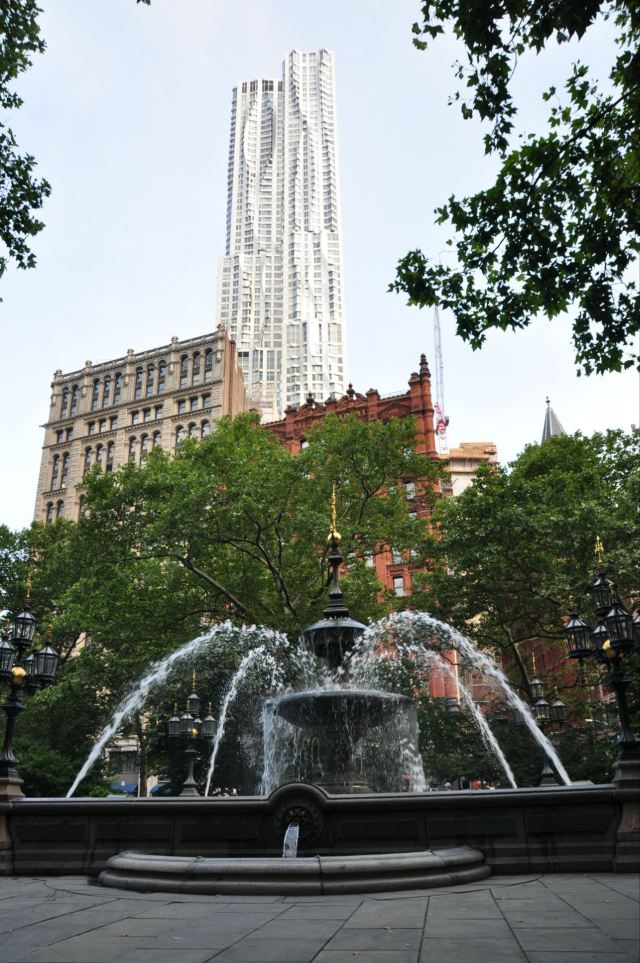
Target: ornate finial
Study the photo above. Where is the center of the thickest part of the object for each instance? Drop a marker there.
(175, 708)
(193, 680)
(29, 586)
(310, 399)
(533, 662)
(424, 365)
(599, 550)
(334, 536)
(351, 392)
(572, 604)
(49, 633)
(547, 401)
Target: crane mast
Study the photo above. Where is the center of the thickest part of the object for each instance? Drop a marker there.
(440, 417)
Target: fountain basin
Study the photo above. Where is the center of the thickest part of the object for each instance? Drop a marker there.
(320, 875)
(348, 709)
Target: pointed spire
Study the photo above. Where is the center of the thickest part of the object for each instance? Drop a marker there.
(552, 426)
(424, 367)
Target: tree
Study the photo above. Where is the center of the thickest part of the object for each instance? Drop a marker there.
(558, 229)
(517, 544)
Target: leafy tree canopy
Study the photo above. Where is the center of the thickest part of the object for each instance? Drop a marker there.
(560, 227)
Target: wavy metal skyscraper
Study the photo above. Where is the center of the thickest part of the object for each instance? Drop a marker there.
(280, 281)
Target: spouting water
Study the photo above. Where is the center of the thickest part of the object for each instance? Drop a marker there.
(290, 842)
(159, 673)
(449, 637)
(230, 695)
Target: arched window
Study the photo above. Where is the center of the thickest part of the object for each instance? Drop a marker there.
(99, 455)
(65, 403)
(133, 447)
(87, 460)
(137, 391)
(65, 469)
(95, 394)
(55, 471)
(193, 430)
(111, 447)
(49, 515)
(59, 509)
(151, 377)
(179, 434)
(205, 428)
(117, 392)
(106, 391)
(74, 400)
(195, 369)
(184, 371)
(156, 439)
(208, 364)
(144, 448)
(162, 376)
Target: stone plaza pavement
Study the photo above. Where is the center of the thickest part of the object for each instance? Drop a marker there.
(510, 919)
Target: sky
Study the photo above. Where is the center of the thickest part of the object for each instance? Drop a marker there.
(128, 113)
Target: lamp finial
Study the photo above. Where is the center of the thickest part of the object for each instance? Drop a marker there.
(599, 550)
(334, 535)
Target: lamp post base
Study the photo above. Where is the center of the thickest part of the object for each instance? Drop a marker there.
(626, 774)
(11, 786)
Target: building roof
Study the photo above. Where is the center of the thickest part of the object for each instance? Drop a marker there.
(552, 426)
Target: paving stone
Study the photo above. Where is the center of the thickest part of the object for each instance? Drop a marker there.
(219, 932)
(269, 951)
(371, 956)
(369, 938)
(565, 940)
(545, 918)
(407, 913)
(582, 957)
(631, 947)
(315, 929)
(471, 951)
(470, 906)
(81, 949)
(317, 911)
(628, 929)
(468, 929)
(161, 955)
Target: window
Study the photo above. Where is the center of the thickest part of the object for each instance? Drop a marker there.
(106, 391)
(410, 489)
(193, 404)
(91, 427)
(184, 371)
(65, 403)
(65, 469)
(205, 429)
(69, 434)
(195, 369)
(179, 434)
(75, 391)
(102, 424)
(412, 514)
(398, 585)
(208, 364)
(182, 407)
(95, 394)
(304, 443)
(135, 417)
(137, 390)
(133, 447)
(99, 454)
(113, 422)
(151, 376)
(156, 438)
(59, 437)
(87, 460)
(117, 391)
(49, 515)
(59, 510)
(193, 430)
(111, 447)
(144, 448)
(162, 375)
(146, 414)
(396, 556)
(157, 411)
(206, 401)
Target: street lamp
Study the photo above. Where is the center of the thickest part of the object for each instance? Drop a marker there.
(189, 727)
(615, 636)
(21, 673)
(546, 716)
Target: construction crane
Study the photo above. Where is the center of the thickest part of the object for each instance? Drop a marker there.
(440, 417)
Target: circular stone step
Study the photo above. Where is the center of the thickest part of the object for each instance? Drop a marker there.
(317, 875)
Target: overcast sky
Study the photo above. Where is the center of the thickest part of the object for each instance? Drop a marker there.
(128, 116)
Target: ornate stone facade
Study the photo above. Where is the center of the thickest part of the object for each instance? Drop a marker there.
(111, 413)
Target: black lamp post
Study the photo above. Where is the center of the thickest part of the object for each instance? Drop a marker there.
(614, 637)
(189, 727)
(547, 716)
(21, 673)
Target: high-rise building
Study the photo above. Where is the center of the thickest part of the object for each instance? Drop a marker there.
(280, 291)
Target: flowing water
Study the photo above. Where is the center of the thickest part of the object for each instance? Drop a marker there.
(290, 841)
(250, 658)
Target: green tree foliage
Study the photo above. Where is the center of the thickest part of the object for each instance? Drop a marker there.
(560, 226)
(230, 528)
